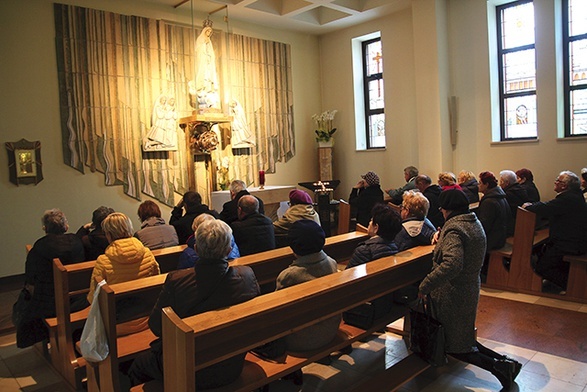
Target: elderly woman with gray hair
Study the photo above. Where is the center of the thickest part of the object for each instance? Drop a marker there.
(210, 285)
(454, 284)
(416, 228)
(56, 243)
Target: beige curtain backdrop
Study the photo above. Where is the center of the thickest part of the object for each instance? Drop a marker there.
(113, 67)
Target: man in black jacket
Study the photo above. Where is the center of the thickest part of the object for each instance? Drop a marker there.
(567, 217)
(253, 232)
(432, 192)
(192, 203)
(515, 194)
(229, 211)
(210, 285)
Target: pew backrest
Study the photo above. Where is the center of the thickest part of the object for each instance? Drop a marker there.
(199, 341)
(268, 264)
(344, 217)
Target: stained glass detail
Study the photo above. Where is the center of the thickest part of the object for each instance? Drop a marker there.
(577, 17)
(376, 94)
(377, 131)
(579, 112)
(374, 59)
(520, 117)
(578, 60)
(519, 71)
(517, 26)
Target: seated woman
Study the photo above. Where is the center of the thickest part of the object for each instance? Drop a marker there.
(39, 276)
(416, 228)
(493, 212)
(154, 232)
(92, 235)
(306, 239)
(364, 196)
(301, 207)
(448, 180)
(189, 256)
(126, 258)
(382, 230)
(469, 185)
(526, 179)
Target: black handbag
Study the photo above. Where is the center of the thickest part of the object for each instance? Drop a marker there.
(427, 334)
(21, 308)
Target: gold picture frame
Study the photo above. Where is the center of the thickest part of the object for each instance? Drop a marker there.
(24, 162)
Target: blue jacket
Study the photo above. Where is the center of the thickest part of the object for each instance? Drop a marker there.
(414, 232)
(372, 249)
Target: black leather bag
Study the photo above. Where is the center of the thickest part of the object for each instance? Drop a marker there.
(271, 350)
(21, 308)
(427, 334)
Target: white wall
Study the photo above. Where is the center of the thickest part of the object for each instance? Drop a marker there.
(30, 109)
(433, 50)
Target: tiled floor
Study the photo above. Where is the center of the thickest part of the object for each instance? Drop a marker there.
(549, 337)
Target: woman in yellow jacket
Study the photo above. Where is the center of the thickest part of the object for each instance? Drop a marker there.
(126, 258)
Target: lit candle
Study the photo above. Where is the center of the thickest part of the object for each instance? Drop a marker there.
(261, 178)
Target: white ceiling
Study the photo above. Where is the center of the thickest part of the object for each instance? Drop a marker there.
(310, 16)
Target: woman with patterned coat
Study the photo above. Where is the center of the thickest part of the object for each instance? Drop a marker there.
(454, 285)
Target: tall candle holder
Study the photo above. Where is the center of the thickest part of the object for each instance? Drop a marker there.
(261, 179)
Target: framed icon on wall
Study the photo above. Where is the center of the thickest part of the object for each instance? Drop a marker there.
(24, 162)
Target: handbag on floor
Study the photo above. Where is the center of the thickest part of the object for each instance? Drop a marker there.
(427, 334)
(20, 309)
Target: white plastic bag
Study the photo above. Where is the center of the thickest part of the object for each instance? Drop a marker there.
(94, 346)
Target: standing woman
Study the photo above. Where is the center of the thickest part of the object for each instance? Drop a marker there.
(454, 287)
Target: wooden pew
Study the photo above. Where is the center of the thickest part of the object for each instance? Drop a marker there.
(344, 217)
(103, 376)
(168, 258)
(69, 281)
(266, 266)
(72, 280)
(518, 249)
(199, 341)
(576, 285)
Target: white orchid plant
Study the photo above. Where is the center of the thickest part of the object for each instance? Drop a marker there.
(324, 123)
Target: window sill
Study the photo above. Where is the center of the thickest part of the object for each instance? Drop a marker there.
(505, 142)
(371, 149)
(571, 138)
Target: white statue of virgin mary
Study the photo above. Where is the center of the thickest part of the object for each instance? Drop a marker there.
(204, 88)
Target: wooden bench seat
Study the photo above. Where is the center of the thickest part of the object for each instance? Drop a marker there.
(73, 280)
(266, 266)
(103, 376)
(518, 250)
(577, 283)
(199, 341)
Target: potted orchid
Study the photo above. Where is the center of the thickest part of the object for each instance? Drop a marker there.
(325, 128)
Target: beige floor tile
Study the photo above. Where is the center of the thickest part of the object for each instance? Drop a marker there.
(520, 354)
(554, 367)
(556, 303)
(9, 385)
(528, 381)
(491, 292)
(530, 299)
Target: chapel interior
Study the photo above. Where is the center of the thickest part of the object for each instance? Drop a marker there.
(433, 50)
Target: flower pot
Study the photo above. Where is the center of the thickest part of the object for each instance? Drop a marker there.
(329, 143)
